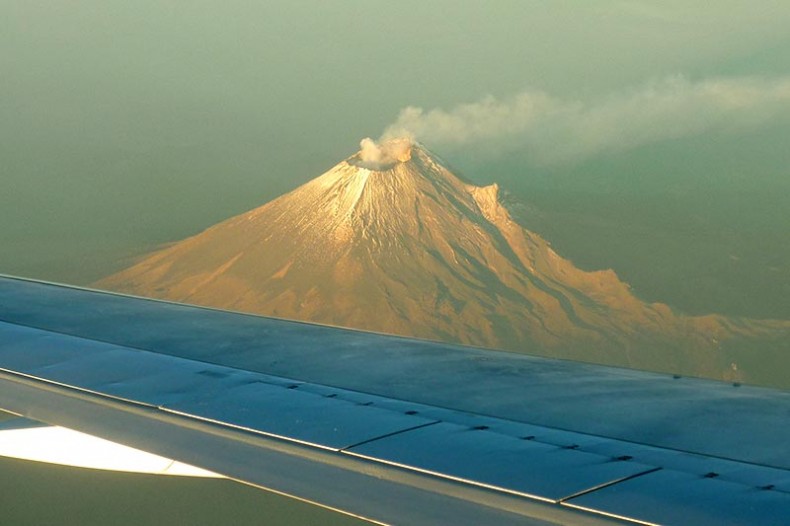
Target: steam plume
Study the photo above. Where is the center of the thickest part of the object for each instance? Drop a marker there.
(385, 152)
(553, 129)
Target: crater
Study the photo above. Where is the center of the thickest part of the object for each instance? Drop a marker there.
(382, 155)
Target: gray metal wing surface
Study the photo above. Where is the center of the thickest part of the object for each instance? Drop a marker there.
(394, 430)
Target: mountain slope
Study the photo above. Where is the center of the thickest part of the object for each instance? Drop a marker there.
(390, 240)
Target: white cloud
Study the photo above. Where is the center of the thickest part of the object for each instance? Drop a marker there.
(555, 130)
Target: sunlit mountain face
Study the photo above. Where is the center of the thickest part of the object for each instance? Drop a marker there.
(390, 240)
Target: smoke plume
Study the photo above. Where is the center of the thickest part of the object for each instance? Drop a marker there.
(556, 130)
(387, 151)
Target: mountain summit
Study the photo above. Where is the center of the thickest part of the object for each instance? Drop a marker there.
(390, 240)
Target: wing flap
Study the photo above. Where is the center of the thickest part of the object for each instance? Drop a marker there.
(687, 499)
(511, 463)
(362, 488)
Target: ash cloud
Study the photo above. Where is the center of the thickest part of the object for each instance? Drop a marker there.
(556, 130)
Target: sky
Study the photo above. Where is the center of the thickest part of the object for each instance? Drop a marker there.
(646, 136)
(125, 125)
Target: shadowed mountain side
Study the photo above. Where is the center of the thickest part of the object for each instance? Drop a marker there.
(391, 241)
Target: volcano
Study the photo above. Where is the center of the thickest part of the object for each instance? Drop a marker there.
(389, 240)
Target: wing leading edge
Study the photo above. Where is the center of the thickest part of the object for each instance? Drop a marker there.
(370, 431)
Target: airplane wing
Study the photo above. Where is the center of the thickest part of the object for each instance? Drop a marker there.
(394, 430)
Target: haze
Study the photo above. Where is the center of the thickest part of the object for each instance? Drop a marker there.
(125, 125)
(647, 137)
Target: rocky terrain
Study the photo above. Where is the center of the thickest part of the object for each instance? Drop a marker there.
(390, 240)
